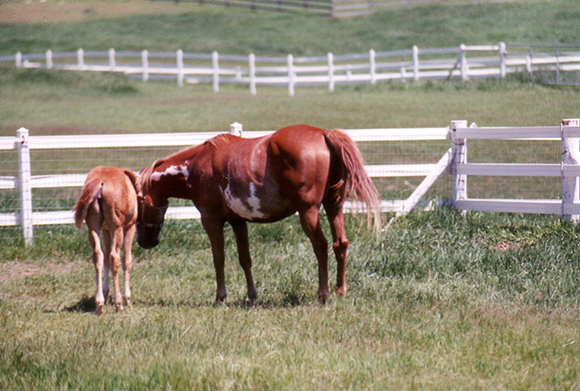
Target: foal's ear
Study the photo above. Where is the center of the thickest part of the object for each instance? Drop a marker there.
(133, 178)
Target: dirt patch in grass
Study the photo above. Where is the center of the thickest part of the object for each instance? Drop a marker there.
(60, 11)
(11, 270)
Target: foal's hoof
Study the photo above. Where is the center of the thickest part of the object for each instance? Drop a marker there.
(99, 309)
(128, 303)
(118, 307)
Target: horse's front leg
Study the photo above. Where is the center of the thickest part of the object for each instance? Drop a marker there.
(241, 233)
(215, 231)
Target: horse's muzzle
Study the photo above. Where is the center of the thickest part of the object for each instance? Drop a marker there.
(147, 244)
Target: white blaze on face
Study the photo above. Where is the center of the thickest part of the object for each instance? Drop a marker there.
(171, 170)
(248, 208)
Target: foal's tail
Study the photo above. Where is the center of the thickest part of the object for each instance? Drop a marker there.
(359, 186)
(91, 191)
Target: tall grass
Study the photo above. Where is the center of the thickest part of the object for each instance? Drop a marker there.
(439, 301)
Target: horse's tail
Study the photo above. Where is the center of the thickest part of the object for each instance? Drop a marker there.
(359, 186)
(91, 191)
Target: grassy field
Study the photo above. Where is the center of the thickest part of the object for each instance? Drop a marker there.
(439, 301)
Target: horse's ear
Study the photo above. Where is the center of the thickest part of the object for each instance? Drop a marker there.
(133, 178)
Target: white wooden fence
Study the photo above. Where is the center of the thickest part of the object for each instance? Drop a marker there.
(453, 162)
(463, 62)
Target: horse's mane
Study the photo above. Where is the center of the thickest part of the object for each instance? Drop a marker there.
(219, 140)
(184, 154)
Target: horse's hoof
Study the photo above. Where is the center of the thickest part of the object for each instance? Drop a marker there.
(99, 310)
(323, 297)
(341, 291)
(118, 307)
(128, 303)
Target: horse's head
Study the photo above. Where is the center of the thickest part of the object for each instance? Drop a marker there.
(149, 222)
(150, 217)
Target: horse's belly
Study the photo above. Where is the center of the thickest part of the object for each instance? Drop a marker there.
(257, 204)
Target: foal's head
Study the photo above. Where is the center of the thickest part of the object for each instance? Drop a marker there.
(151, 217)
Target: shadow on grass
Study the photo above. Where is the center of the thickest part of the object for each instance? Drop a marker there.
(85, 304)
(289, 300)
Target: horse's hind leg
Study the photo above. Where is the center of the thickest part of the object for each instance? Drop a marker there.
(127, 263)
(311, 225)
(241, 233)
(115, 263)
(339, 243)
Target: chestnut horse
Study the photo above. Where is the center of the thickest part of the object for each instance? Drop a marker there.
(108, 202)
(236, 180)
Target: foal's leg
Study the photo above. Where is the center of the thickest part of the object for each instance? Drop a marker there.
(215, 231)
(98, 260)
(115, 263)
(339, 244)
(107, 243)
(241, 233)
(127, 263)
(311, 226)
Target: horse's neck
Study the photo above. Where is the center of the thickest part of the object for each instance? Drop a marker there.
(171, 179)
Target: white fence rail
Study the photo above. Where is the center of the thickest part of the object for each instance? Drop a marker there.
(569, 169)
(23, 143)
(413, 64)
(453, 162)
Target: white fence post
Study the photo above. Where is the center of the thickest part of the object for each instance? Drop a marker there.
(179, 59)
(330, 72)
(403, 74)
(463, 63)
(112, 60)
(459, 151)
(49, 59)
(236, 129)
(81, 59)
(570, 156)
(502, 59)
(372, 66)
(145, 61)
(415, 63)
(252, 61)
(216, 71)
(18, 60)
(24, 184)
(291, 81)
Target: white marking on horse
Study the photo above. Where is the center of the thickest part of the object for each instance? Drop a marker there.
(171, 170)
(248, 208)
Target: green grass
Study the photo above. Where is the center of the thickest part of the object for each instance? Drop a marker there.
(72, 103)
(235, 31)
(439, 301)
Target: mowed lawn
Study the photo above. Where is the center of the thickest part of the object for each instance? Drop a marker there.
(437, 301)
